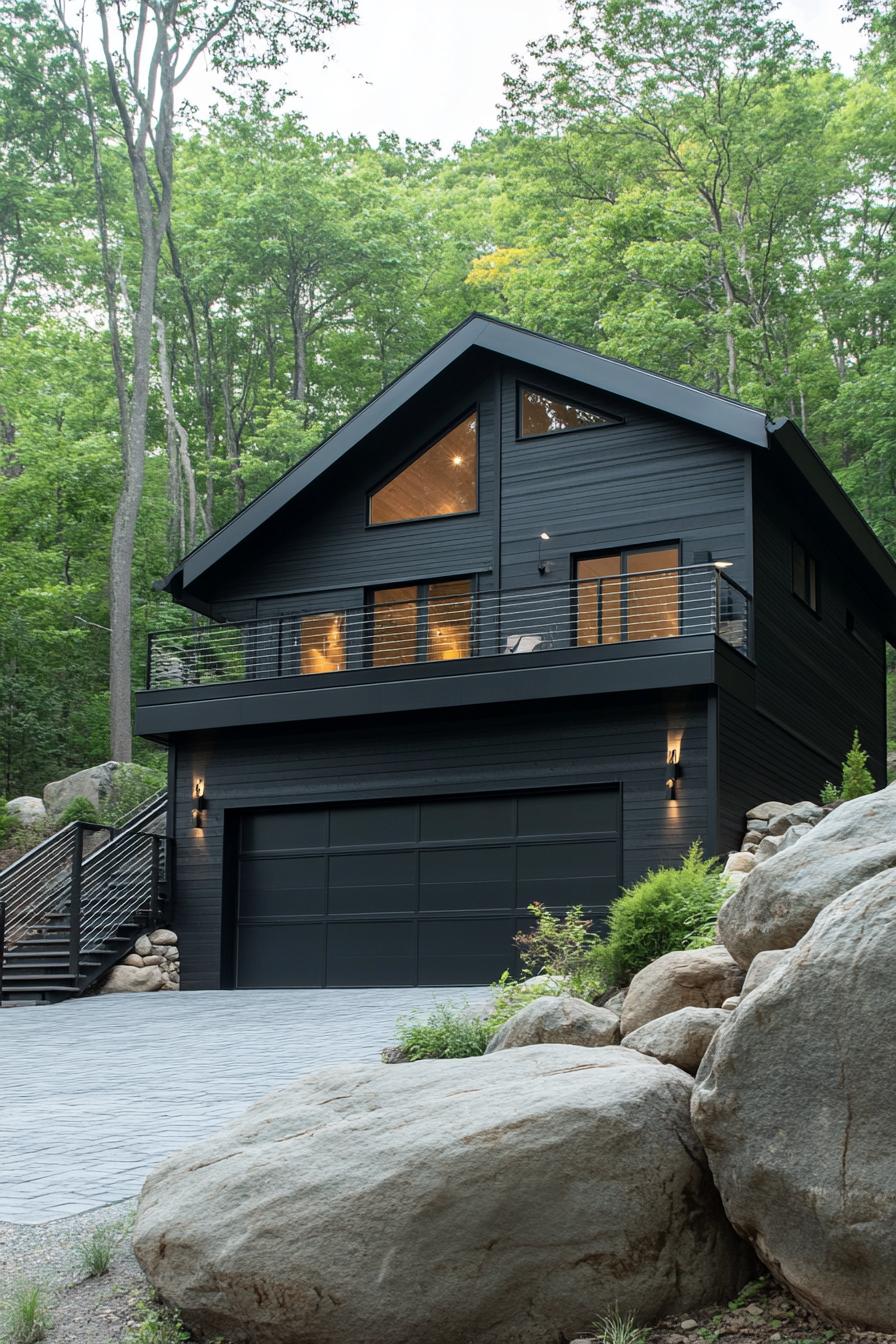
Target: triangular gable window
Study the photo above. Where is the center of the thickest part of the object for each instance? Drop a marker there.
(543, 413)
(441, 481)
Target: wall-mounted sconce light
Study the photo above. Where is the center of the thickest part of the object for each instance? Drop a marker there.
(673, 773)
(544, 566)
(723, 564)
(200, 804)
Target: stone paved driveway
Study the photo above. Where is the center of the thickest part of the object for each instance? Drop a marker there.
(94, 1092)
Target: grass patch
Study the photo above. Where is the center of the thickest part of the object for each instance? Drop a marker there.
(615, 1328)
(156, 1325)
(96, 1251)
(26, 1316)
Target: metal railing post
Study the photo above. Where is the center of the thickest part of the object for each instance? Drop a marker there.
(718, 587)
(2, 944)
(154, 880)
(74, 933)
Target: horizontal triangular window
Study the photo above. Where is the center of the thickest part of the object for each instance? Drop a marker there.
(440, 481)
(545, 413)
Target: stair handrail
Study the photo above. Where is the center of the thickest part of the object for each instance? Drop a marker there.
(36, 882)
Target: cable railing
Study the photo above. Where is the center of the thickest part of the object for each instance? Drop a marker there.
(39, 885)
(592, 612)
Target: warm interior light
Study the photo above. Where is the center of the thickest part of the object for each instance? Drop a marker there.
(457, 460)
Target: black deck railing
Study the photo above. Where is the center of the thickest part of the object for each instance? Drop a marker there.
(596, 612)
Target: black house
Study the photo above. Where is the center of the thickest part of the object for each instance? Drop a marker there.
(525, 626)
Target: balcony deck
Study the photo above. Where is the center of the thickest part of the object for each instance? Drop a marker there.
(616, 633)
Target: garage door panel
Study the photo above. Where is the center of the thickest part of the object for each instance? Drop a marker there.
(568, 813)
(374, 824)
(464, 951)
(473, 818)
(471, 878)
(373, 883)
(415, 891)
(304, 828)
(283, 887)
(372, 952)
(280, 956)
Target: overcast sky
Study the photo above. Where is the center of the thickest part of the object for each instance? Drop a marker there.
(431, 69)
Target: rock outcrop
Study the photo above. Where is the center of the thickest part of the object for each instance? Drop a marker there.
(557, 1020)
(794, 1103)
(701, 978)
(514, 1197)
(680, 1038)
(27, 810)
(779, 900)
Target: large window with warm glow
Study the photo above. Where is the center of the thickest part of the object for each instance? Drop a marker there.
(441, 481)
(421, 622)
(322, 637)
(543, 413)
(628, 595)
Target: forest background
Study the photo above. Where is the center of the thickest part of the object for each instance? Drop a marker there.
(187, 306)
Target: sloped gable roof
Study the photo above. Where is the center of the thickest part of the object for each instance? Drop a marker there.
(742, 423)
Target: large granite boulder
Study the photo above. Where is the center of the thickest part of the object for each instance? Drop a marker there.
(761, 968)
(780, 899)
(680, 1038)
(558, 1019)
(27, 810)
(794, 1103)
(507, 1198)
(700, 978)
(103, 785)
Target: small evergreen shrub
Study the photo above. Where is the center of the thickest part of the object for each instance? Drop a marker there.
(669, 910)
(79, 809)
(857, 780)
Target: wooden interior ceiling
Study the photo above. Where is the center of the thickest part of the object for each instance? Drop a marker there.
(439, 482)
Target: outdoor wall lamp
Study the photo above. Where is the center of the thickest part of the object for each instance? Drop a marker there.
(723, 564)
(544, 566)
(673, 773)
(200, 804)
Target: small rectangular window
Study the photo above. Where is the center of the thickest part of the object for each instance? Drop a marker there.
(805, 576)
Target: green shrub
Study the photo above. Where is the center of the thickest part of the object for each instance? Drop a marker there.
(564, 948)
(156, 1325)
(25, 1317)
(9, 825)
(619, 1329)
(131, 786)
(857, 778)
(668, 910)
(448, 1032)
(79, 809)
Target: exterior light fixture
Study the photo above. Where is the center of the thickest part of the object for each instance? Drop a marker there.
(200, 804)
(722, 564)
(544, 566)
(673, 773)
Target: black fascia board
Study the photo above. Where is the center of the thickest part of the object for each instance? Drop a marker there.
(743, 423)
(796, 447)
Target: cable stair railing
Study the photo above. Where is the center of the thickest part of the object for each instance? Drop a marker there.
(75, 904)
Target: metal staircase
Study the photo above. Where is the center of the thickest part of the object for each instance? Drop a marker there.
(74, 905)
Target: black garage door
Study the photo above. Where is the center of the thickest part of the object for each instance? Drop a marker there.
(414, 891)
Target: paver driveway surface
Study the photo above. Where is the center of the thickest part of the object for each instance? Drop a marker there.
(94, 1092)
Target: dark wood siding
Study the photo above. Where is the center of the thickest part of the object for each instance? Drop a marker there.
(322, 542)
(650, 479)
(623, 739)
(814, 677)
